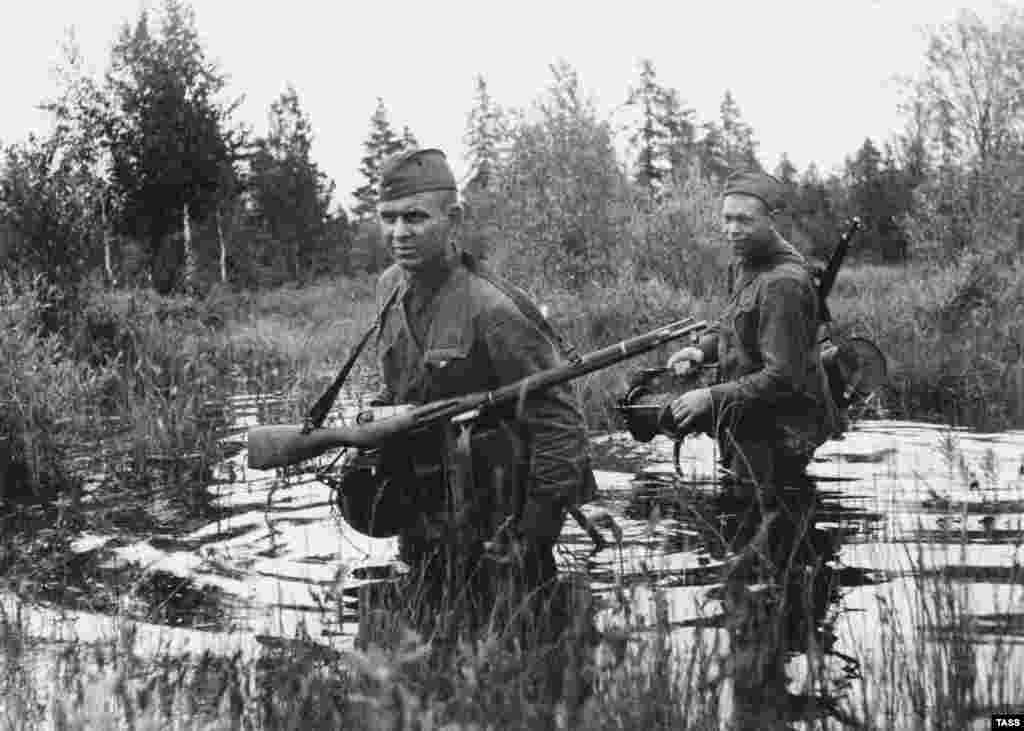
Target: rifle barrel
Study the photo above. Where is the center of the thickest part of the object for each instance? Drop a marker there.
(597, 360)
(828, 279)
(283, 445)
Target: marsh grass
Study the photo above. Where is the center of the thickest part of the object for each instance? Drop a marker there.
(394, 684)
(949, 333)
(153, 371)
(935, 666)
(952, 333)
(924, 666)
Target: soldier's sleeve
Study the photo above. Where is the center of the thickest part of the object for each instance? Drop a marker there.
(785, 309)
(553, 419)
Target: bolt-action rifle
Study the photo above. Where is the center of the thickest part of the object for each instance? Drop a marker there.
(828, 277)
(365, 502)
(281, 445)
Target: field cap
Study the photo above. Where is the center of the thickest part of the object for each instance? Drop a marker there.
(767, 188)
(415, 171)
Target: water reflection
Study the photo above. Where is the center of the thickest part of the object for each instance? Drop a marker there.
(899, 512)
(777, 597)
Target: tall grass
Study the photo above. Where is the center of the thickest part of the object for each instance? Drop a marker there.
(920, 667)
(952, 334)
(48, 397)
(291, 341)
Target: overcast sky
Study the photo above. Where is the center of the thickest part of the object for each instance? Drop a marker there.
(813, 77)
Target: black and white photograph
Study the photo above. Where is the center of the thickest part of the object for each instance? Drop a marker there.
(467, 366)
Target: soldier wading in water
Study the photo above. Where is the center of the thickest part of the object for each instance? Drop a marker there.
(482, 507)
(771, 407)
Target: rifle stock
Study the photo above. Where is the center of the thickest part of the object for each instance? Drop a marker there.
(281, 445)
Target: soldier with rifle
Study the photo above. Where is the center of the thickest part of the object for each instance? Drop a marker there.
(772, 405)
(451, 328)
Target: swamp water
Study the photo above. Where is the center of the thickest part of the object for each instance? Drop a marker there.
(907, 578)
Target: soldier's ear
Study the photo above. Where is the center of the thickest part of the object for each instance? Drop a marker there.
(456, 213)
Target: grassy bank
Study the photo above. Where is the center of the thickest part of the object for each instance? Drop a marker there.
(952, 333)
(949, 332)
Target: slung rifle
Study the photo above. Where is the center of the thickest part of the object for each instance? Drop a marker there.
(282, 445)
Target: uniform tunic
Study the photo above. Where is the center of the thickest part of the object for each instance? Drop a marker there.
(771, 399)
(451, 333)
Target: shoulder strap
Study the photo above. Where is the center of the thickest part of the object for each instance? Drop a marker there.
(523, 304)
(316, 416)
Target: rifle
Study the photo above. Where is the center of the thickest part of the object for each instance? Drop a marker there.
(281, 445)
(828, 277)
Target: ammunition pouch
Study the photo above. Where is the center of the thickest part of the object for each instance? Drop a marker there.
(370, 499)
(429, 476)
(466, 476)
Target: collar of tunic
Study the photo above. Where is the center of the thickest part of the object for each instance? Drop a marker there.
(419, 292)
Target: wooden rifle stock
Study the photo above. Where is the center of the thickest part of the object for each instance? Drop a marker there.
(282, 445)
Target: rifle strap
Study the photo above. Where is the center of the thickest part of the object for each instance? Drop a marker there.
(316, 416)
(523, 304)
(588, 486)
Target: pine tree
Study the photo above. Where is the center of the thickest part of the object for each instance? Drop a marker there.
(170, 138)
(485, 133)
(785, 170)
(409, 141)
(738, 145)
(379, 146)
(648, 138)
(291, 193)
(815, 212)
(711, 156)
(665, 138)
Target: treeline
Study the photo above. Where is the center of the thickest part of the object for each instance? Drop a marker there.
(147, 180)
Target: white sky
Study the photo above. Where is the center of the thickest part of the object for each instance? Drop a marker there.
(813, 77)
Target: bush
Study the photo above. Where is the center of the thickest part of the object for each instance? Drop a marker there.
(950, 338)
(46, 396)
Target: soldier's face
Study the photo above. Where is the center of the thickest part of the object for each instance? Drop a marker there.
(416, 229)
(746, 223)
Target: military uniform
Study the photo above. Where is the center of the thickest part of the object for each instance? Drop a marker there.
(460, 334)
(771, 407)
(507, 481)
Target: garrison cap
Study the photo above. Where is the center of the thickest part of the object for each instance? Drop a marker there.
(415, 171)
(767, 188)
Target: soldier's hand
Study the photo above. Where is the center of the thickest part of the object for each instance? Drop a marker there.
(691, 406)
(685, 360)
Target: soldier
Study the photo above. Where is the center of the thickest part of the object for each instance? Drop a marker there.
(771, 407)
(506, 480)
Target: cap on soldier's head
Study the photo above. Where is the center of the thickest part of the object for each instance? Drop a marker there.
(767, 188)
(415, 171)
